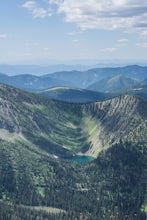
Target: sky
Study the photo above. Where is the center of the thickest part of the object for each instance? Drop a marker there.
(50, 31)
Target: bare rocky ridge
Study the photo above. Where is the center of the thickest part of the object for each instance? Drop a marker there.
(117, 119)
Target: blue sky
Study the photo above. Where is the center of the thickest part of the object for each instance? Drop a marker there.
(45, 31)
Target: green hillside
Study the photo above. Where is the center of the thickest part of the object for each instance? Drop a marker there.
(37, 139)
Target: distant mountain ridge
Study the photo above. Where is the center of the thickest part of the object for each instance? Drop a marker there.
(76, 79)
(111, 83)
(39, 69)
(31, 82)
(86, 78)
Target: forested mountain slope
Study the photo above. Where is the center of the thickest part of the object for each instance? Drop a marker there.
(63, 128)
(111, 187)
(34, 131)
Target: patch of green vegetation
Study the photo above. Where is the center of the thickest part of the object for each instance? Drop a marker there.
(40, 191)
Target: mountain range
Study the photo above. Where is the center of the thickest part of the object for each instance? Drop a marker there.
(69, 153)
(75, 79)
(38, 138)
(39, 69)
(86, 78)
(32, 82)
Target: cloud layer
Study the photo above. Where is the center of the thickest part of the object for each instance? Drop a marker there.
(96, 14)
(104, 14)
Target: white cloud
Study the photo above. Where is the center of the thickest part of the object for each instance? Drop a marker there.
(123, 40)
(109, 49)
(55, 1)
(36, 10)
(104, 14)
(3, 36)
(128, 15)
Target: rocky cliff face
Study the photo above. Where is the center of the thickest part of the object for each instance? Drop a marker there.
(121, 118)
